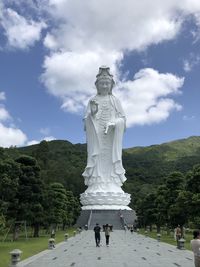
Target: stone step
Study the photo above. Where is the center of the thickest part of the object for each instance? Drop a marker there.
(102, 217)
(117, 218)
(83, 218)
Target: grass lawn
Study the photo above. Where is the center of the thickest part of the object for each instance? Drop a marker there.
(29, 247)
(169, 238)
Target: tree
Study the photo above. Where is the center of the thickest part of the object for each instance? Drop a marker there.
(193, 194)
(146, 210)
(9, 183)
(30, 193)
(166, 200)
(73, 208)
(42, 152)
(57, 204)
(2, 223)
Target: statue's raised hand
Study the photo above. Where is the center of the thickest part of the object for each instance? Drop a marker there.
(110, 125)
(94, 107)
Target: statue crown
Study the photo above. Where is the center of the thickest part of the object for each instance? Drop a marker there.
(104, 72)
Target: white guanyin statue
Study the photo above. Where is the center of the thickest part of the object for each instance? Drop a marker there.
(105, 123)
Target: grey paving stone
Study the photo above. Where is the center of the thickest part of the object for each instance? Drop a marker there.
(125, 250)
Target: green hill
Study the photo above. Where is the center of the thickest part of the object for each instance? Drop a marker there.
(172, 150)
(60, 161)
(153, 162)
(146, 167)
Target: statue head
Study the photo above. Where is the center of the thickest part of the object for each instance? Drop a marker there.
(104, 82)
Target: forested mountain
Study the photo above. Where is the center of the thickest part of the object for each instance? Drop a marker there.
(60, 161)
(42, 183)
(146, 167)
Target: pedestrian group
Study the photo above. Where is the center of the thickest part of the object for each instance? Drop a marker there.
(97, 229)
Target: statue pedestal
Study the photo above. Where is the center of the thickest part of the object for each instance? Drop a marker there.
(105, 201)
(105, 207)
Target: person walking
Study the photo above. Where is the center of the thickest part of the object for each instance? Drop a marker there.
(107, 234)
(178, 235)
(125, 228)
(131, 228)
(97, 230)
(195, 245)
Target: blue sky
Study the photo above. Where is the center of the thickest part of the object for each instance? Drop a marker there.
(50, 52)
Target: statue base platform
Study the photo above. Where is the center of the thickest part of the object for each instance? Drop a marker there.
(105, 201)
(105, 207)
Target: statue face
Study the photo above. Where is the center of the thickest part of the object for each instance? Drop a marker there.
(104, 86)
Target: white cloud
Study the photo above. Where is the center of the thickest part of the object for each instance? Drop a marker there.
(147, 98)
(82, 37)
(34, 142)
(97, 33)
(113, 24)
(187, 66)
(20, 32)
(11, 136)
(4, 114)
(49, 138)
(196, 32)
(191, 62)
(75, 83)
(188, 118)
(2, 96)
(50, 42)
(45, 131)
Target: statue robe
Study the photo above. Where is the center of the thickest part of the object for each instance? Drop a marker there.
(94, 173)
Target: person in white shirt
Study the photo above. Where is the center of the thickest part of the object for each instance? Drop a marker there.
(107, 234)
(195, 245)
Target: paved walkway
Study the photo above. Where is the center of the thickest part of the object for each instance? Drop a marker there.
(125, 250)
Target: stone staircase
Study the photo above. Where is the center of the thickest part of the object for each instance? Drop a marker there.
(117, 218)
(83, 218)
(103, 217)
(129, 216)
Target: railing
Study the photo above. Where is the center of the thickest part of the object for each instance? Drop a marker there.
(122, 219)
(89, 219)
